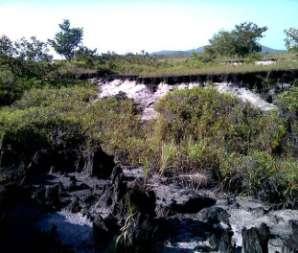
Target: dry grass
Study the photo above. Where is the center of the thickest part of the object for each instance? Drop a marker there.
(193, 66)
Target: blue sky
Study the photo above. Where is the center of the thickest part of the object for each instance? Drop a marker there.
(131, 26)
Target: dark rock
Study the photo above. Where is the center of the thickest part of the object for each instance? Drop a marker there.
(271, 191)
(52, 195)
(75, 206)
(213, 215)
(172, 199)
(292, 242)
(119, 189)
(138, 234)
(142, 201)
(40, 163)
(68, 150)
(75, 186)
(117, 173)
(255, 240)
(106, 199)
(220, 240)
(104, 229)
(139, 227)
(121, 96)
(225, 242)
(221, 234)
(98, 163)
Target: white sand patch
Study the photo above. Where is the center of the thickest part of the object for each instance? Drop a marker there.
(265, 63)
(245, 95)
(147, 98)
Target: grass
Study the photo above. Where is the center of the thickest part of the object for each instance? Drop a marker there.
(160, 67)
(198, 131)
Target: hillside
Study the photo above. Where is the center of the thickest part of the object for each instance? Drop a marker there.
(188, 53)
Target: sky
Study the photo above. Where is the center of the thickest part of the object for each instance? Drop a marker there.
(131, 26)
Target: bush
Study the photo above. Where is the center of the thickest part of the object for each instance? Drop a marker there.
(219, 119)
(288, 102)
(263, 176)
(65, 122)
(10, 88)
(198, 131)
(201, 130)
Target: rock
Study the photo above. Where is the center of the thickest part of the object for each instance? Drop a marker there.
(213, 215)
(192, 204)
(117, 173)
(104, 229)
(138, 235)
(292, 241)
(225, 242)
(74, 206)
(40, 163)
(173, 199)
(98, 163)
(52, 195)
(139, 228)
(255, 240)
(221, 234)
(271, 191)
(141, 200)
(68, 150)
(132, 174)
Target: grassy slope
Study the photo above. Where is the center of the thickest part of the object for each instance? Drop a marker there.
(193, 66)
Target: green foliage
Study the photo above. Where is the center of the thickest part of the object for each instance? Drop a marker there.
(70, 114)
(18, 75)
(201, 130)
(292, 39)
(223, 44)
(6, 46)
(258, 166)
(67, 40)
(205, 114)
(169, 156)
(10, 89)
(42, 107)
(241, 41)
(288, 100)
(32, 50)
(206, 132)
(247, 35)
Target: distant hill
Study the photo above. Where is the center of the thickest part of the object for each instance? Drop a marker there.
(173, 53)
(187, 53)
(267, 50)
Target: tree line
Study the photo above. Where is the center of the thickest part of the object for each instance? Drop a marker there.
(241, 42)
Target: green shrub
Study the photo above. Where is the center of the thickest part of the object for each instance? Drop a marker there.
(258, 167)
(288, 102)
(198, 130)
(10, 88)
(169, 157)
(206, 114)
(111, 122)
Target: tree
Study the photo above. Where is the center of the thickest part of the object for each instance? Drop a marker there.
(241, 41)
(86, 55)
(67, 40)
(292, 39)
(33, 50)
(6, 46)
(247, 36)
(85, 52)
(223, 44)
